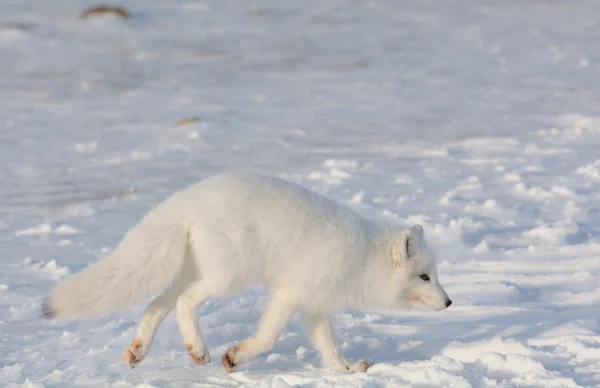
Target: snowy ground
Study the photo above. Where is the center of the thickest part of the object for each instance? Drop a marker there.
(482, 122)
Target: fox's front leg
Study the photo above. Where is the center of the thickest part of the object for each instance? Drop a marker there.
(276, 315)
(322, 337)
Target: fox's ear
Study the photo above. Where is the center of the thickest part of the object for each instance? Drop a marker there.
(417, 230)
(403, 247)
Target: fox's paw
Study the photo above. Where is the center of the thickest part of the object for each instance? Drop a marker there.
(134, 353)
(230, 359)
(360, 366)
(199, 355)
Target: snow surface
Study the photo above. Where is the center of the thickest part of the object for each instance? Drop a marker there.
(480, 120)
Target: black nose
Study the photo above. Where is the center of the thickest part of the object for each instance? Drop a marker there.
(448, 303)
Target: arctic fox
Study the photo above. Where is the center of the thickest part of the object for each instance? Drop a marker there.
(231, 231)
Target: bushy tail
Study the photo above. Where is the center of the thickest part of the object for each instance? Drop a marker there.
(149, 257)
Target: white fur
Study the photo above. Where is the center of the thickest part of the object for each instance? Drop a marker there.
(231, 231)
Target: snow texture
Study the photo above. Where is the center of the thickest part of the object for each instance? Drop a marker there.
(479, 120)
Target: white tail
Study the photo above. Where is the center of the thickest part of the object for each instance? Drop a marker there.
(149, 257)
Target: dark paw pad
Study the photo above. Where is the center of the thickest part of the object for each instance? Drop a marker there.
(228, 361)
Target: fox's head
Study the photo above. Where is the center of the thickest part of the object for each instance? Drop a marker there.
(414, 280)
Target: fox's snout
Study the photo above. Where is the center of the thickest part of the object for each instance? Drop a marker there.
(439, 298)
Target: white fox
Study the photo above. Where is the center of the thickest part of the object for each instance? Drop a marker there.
(231, 231)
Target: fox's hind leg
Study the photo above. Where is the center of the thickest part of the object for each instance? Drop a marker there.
(323, 339)
(277, 313)
(154, 315)
(188, 304)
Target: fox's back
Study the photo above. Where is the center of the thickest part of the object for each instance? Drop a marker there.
(262, 200)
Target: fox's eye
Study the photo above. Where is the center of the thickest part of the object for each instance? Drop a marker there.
(425, 277)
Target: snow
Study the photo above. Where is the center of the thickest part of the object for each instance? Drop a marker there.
(480, 121)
